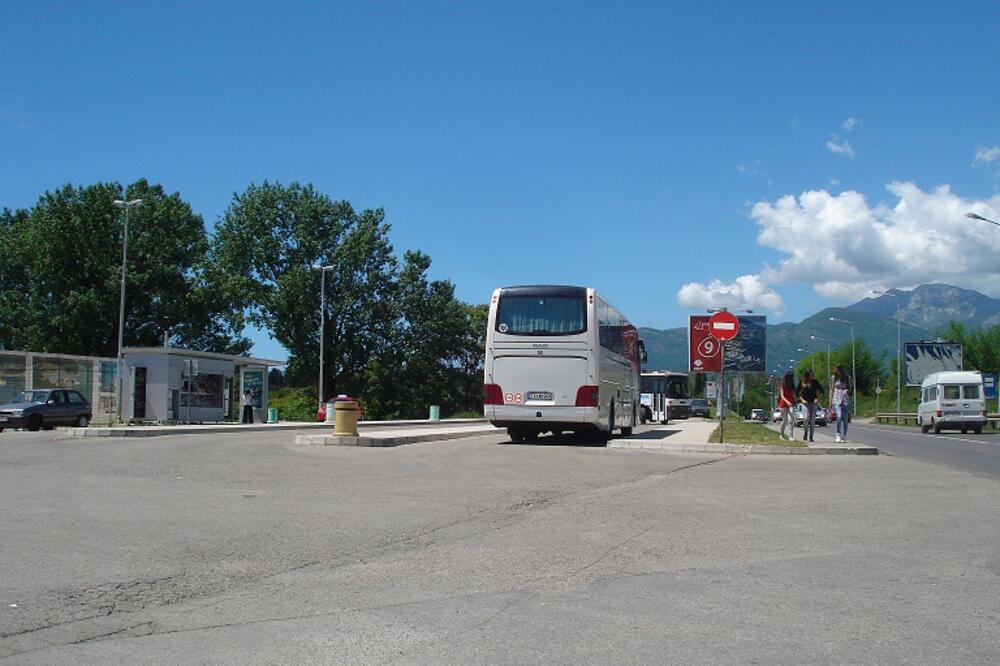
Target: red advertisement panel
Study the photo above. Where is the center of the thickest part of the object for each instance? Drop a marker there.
(704, 351)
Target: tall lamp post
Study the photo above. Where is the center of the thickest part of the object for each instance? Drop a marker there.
(816, 337)
(973, 216)
(322, 323)
(899, 350)
(127, 205)
(854, 377)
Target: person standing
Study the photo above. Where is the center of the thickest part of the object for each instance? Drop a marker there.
(841, 400)
(247, 401)
(808, 392)
(786, 405)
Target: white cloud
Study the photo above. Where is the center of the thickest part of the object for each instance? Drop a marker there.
(838, 147)
(845, 247)
(747, 291)
(986, 155)
(834, 182)
(851, 123)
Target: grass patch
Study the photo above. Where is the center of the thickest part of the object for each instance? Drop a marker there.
(752, 432)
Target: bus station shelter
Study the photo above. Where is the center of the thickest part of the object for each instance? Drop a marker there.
(172, 385)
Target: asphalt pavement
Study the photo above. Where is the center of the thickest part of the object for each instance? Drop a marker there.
(247, 549)
(977, 454)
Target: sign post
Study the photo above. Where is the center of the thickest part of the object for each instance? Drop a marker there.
(723, 326)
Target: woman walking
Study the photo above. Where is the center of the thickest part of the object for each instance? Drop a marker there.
(786, 404)
(841, 401)
(808, 392)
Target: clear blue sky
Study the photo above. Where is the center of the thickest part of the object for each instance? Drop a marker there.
(793, 152)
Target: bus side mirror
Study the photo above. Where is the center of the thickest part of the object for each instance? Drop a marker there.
(642, 353)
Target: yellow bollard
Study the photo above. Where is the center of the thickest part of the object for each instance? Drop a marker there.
(346, 417)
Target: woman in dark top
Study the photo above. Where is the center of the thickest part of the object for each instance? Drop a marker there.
(808, 392)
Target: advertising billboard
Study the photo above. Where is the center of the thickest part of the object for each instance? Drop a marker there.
(923, 358)
(745, 353)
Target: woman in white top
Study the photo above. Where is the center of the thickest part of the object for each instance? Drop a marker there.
(841, 401)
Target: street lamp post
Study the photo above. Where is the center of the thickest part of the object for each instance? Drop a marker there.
(127, 205)
(812, 358)
(322, 324)
(854, 376)
(973, 216)
(816, 337)
(899, 351)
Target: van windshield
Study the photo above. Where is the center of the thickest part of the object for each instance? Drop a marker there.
(970, 392)
(541, 315)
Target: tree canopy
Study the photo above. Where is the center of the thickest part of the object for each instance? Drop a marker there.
(61, 274)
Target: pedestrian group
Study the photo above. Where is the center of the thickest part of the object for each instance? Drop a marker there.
(808, 393)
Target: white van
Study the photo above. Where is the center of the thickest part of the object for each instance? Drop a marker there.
(952, 400)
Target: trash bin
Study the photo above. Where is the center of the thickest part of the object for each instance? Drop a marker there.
(346, 416)
(272, 415)
(435, 414)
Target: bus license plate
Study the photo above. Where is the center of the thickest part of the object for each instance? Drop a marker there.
(540, 396)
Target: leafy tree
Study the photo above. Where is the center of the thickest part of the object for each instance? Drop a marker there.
(980, 347)
(60, 285)
(265, 246)
(392, 336)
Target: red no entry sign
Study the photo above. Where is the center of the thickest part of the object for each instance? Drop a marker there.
(724, 325)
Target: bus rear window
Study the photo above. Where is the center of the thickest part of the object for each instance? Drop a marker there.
(541, 315)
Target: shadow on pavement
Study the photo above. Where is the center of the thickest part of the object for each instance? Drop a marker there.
(565, 439)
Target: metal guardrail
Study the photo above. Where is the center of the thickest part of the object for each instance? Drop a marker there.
(903, 418)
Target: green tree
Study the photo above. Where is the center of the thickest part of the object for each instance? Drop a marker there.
(980, 347)
(60, 285)
(265, 247)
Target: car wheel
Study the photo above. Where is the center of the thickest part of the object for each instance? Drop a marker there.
(923, 428)
(965, 431)
(82, 422)
(34, 422)
(937, 428)
(516, 434)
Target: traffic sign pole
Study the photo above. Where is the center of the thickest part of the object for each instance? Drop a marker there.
(722, 411)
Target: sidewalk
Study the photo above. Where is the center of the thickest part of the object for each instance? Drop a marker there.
(207, 428)
(691, 436)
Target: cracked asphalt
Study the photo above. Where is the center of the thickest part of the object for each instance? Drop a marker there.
(248, 549)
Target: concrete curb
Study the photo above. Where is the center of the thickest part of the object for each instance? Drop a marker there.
(223, 428)
(390, 441)
(742, 449)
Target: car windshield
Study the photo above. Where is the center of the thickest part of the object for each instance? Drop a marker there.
(32, 396)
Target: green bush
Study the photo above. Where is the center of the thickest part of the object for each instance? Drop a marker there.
(294, 404)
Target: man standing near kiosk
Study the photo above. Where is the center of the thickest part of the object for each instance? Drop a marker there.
(246, 400)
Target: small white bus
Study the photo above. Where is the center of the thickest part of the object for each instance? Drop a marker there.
(952, 400)
(560, 359)
(664, 396)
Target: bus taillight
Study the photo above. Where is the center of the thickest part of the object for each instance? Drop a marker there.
(492, 394)
(587, 396)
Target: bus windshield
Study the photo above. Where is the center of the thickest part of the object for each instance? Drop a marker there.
(541, 315)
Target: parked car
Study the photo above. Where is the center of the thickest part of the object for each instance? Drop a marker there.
(46, 408)
(699, 407)
(800, 414)
(776, 416)
(758, 415)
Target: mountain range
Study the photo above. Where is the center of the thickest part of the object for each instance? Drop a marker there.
(924, 312)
